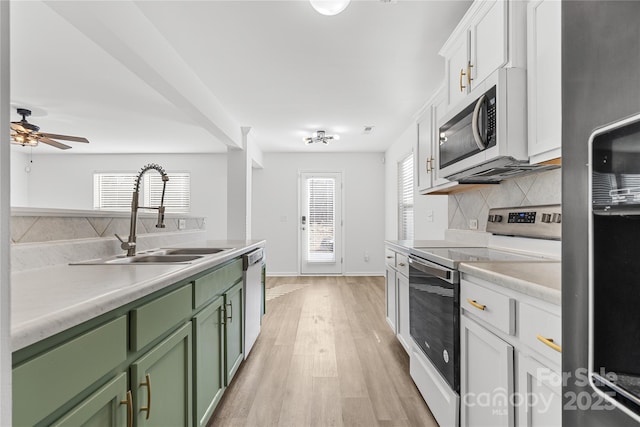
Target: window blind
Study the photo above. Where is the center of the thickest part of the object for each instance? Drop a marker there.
(177, 197)
(405, 198)
(321, 221)
(113, 191)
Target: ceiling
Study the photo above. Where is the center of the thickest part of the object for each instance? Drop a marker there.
(184, 77)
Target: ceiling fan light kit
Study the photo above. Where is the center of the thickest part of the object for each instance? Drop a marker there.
(29, 135)
(320, 136)
(329, 7)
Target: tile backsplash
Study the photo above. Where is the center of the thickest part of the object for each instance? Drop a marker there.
(534, 189)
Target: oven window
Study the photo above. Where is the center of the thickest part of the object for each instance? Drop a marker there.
(433, 308)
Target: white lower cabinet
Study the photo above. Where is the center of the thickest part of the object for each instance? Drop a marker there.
(403, 332)
(510, 358)
(539, 394)
(391, 298)
(486, 377)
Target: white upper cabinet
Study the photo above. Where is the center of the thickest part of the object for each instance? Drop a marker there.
(428, 143)
(490, 35)
(544, 72)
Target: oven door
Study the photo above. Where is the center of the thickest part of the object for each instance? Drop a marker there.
(434, 316)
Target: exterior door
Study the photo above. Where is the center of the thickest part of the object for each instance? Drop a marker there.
(320, 223)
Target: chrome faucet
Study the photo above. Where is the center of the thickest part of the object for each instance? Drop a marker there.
(130, 244)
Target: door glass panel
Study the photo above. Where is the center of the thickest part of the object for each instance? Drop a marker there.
(321, 222)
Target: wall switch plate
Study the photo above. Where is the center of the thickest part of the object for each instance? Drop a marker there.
(473, 224)
(182, 224)
(429, 216)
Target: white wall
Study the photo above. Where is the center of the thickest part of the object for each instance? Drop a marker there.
(19, 177)
(423, 228)
(66, 181)
(275, 208)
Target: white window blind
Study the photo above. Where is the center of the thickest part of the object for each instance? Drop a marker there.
(113, 191)
(405, 198)
(321, 221)
(177, 197)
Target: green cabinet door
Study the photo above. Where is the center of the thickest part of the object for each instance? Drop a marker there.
(208, 333)
(107, 407)
(233, 331)
(161, 382)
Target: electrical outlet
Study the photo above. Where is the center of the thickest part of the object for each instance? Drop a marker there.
(366, 257)
(473, 224)
(182, 224)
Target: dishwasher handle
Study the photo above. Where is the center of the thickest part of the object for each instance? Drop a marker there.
(252, 258)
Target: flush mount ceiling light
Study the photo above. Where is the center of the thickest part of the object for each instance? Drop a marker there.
(329, 7)
(320, 136)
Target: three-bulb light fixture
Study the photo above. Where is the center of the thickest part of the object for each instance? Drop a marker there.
(329, 7)
(320, 136)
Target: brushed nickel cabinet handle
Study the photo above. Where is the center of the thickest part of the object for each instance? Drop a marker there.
(549, 343)
(147, 383)
(476, 305)
(129, 402)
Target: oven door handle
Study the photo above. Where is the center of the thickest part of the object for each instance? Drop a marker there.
(430, 268)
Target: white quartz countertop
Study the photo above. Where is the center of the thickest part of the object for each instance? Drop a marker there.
(540, 280)
(50, 300)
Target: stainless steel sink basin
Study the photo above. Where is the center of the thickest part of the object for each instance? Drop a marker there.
(192, 251)
(155, 259)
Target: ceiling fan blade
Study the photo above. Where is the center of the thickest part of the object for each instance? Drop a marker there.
(53, 143)
(65, 137)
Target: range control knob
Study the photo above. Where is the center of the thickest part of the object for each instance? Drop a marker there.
(556, 218)
(546, 218)
(495, 218)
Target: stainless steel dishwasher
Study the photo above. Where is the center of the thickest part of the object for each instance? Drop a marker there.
(253, 297)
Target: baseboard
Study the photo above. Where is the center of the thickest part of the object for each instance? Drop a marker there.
(290, 274)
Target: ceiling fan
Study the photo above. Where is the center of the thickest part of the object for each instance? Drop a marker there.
(28, 134)
(320, 136)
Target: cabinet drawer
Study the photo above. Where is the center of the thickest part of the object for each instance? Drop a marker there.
(215, 283)
(151, 320)
(45, 383)
(390, 257)
(534, 322)
(496, 309)
(402, 264)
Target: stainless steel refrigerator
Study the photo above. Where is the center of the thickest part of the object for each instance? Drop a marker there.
(600, 85)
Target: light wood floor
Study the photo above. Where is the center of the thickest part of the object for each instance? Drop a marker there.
(325, 357)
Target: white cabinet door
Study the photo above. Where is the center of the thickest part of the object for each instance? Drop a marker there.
(488, 40)
(541, 390)
(391, 299)
(486, 377)
(439, 109)
(424, 158)
(402, 282)
(544, 72)
(456, 62)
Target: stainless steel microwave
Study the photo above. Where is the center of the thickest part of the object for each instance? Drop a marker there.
(485, 140)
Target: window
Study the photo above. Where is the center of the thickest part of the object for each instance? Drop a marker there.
(113, 191)
(405, 198)
(322, 226)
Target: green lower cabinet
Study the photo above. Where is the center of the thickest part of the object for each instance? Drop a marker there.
(161, 382)
(234, 340)
(209, 370)
(107, 407)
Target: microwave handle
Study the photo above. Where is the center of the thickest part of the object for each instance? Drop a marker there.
(482, 145)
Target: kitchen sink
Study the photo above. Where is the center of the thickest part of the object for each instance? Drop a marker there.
(158, 256)
(192, 251)
(154, 259)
